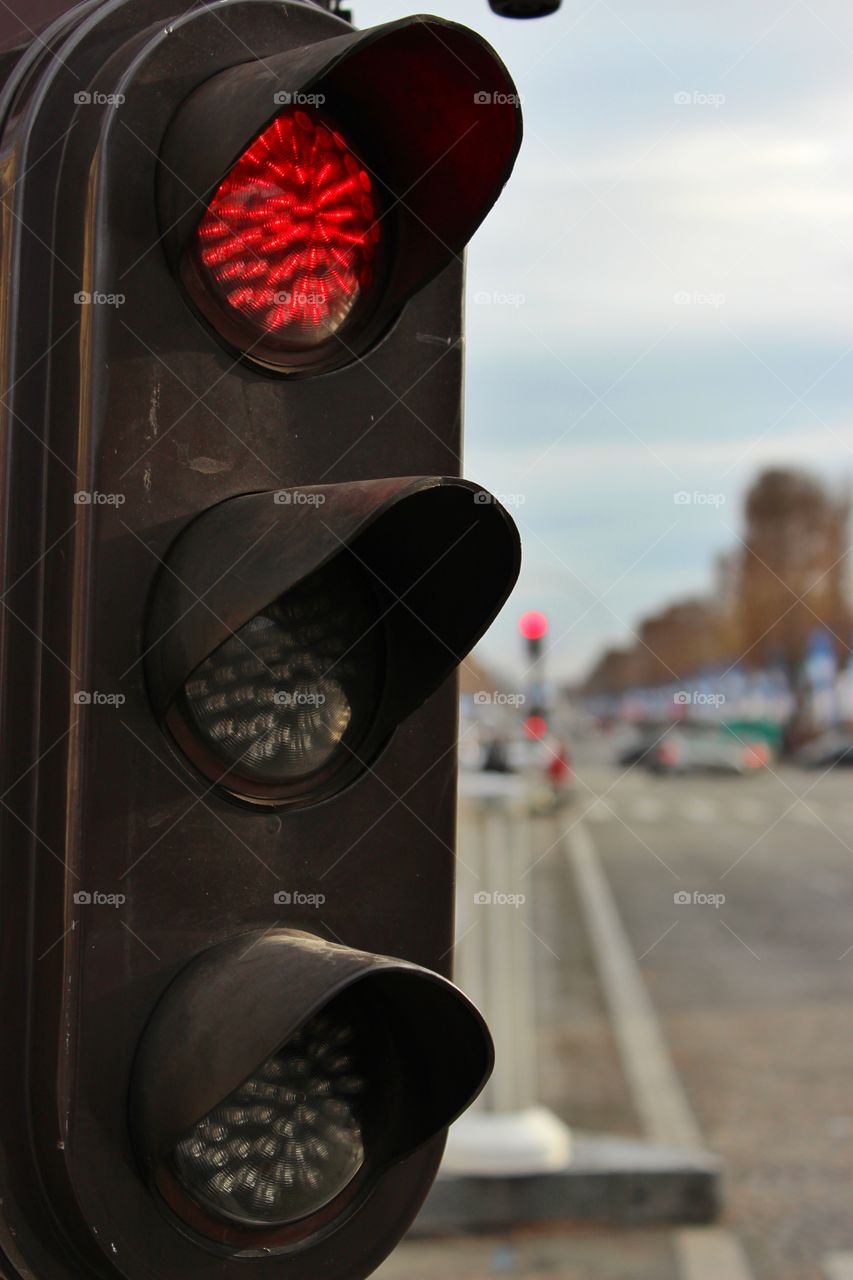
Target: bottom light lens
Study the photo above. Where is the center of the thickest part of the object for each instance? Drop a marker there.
(289, 1140)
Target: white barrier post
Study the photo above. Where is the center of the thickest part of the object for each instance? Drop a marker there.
(506, 1132)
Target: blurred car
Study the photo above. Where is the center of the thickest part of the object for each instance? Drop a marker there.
(826, 751)
(497, 757)
(643, 742)
(706, 749)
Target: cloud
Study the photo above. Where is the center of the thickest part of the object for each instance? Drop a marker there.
(686, 261)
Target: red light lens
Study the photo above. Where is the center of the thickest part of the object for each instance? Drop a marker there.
(533, 625)
(287, 248)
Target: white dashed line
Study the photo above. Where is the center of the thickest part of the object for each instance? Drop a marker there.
(712, 1254)
(599, 813)
(838, 1266)
(752, 811)
(696, 809)
(647, 809)
(807, 817)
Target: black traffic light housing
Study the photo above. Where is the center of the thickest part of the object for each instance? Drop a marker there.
(132, 428)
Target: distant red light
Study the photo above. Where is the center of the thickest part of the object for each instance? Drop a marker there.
(535, 728)
(533, 625)
(289, 239)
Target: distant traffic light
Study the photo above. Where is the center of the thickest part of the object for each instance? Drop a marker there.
(240, 570)
(524, 8)
(535, 727)
(533, 626)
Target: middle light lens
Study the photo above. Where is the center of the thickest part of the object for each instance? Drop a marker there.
(297, 685)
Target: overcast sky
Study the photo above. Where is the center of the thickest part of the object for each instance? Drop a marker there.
(685, 268)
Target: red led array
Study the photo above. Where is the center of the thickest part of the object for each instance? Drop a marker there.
(290, 237)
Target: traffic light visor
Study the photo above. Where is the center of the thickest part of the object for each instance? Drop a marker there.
(306, 196)
(281, 1075)
(290, 632)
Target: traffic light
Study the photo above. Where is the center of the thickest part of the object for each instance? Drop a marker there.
(524, 8)
(533, 627)
(239, 570)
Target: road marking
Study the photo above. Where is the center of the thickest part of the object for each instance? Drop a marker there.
(646, 809)
(693, 809)
(711, 1254)
(658, 1094)
(599, 812)
(752, 811)
(838, 1266)
(659, 1097)
(809, 817)
(696, 809)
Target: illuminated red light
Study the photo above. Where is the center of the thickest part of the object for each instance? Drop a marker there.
(533, 625)
(289, 240)
(535, 728)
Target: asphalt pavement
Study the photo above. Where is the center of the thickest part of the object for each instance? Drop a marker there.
(734, 896)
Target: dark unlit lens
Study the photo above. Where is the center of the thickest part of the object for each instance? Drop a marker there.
(289, 1139)
(297, 684)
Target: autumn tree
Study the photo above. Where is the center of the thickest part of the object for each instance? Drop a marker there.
(793, 574)
(681, 641)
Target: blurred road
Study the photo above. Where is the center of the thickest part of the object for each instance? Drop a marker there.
(755, 991)
(736, 896)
